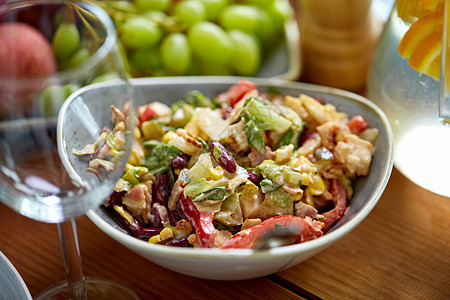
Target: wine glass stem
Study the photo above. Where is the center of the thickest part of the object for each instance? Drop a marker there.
(72, 259)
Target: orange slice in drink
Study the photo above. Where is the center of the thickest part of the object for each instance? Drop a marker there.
(426, 57)
(409, 10)
(422, 42)
(419, 31)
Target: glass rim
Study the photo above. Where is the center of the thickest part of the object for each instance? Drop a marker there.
(105, 48)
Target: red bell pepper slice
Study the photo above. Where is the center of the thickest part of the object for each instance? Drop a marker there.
(357, 124)
(235, 93)
(201, 221)
(145, 113)
(307, 230)
(337, 189)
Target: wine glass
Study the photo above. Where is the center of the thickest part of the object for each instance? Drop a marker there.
(49, 51)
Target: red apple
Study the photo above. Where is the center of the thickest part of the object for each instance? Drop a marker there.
(24, 52)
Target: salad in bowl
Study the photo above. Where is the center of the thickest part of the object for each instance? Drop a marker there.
(225, 171)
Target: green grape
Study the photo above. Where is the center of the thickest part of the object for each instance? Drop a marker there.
(194, 67)
(246, 57)
(284, 8)
(139, 32)
(280, 11)
(266, 32)
(160, 73)
(145, 59)
(147, 5)
(240, 17)
(213, 7)
(210, 43)
(175, 53)
(66, 40)
(110, 75)
(156, 16)
(69, 89)
(190, 12)
(211, 68)
(53, 96)
(51, 99)
(78, 58)
(261, 3)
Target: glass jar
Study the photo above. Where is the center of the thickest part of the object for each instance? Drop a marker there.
(411, 103)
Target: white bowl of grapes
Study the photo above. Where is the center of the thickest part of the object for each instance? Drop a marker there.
(207, 37)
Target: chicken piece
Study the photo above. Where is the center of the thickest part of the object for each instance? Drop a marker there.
(284, 154)
(321, 113)
(251, 206)
(309, 145)
(355, 154)
(137, 199)
(305, 210)
(256, 158)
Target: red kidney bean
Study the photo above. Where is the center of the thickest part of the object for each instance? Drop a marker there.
(146, 233)
(159, 216)
(160, 189)
(174, 217)
(253, 177)
(181, 242)
(135, 226)
(116, 198)
(179, 162)
(222, 156)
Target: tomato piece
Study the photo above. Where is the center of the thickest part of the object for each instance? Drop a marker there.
(337, 189)
(145, 113)
(201, 221)
(357, 124)
(307, 230)
(235, 93)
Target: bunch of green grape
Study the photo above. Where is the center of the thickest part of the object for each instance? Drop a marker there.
(197, 37)
(70, 51)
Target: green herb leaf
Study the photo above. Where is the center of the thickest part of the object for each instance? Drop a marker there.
(215, 194)
(253, 133)
(158, 159)
(267, 185)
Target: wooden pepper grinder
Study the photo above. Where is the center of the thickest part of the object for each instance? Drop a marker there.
(337, 41)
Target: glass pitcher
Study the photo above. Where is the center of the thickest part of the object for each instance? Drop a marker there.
(411, 102)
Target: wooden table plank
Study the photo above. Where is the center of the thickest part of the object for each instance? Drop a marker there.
(33, 248)
(401, 250)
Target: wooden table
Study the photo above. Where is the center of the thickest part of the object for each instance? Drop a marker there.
(400, 251)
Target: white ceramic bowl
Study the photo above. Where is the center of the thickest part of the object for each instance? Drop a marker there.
(238, 264)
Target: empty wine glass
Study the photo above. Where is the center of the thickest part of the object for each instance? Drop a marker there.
(49, 51)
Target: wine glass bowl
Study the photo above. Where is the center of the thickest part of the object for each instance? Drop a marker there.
(30, 101)
(49, 51)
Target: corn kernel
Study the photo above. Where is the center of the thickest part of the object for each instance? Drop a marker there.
(166, 233)
(154, 239)
(119, 126)
(309, 198)
(306, 179)
(124, 214)
(317, 187)
(301, 165)
(170, 135)
(216, 173)
(298, 197)
(137, 133)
